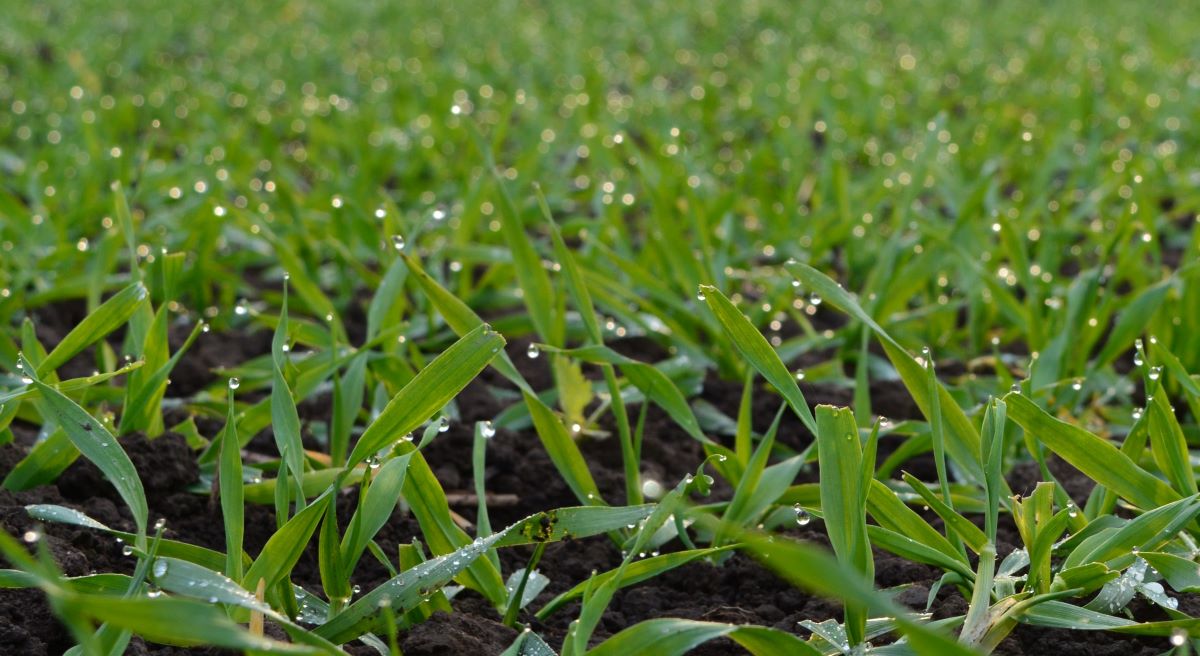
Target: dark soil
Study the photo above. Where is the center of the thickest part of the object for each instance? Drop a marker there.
(521, 480)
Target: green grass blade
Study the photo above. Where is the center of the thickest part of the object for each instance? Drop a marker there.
(112, 314)
(285, 420)
(671, 637)
(563, 451)
(283, 549)
(843, 501)
(962, 439)
(462, 319)
(379, 500)
(429, 391)
(175, 621)
(231, 490)
(635, 572)
(758, 352)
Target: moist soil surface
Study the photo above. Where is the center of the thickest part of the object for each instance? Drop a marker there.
(520, 480)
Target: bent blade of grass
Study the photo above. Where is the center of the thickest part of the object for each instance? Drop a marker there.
(112, 314)
(1147, 531)
(812, 569)
(100, 447)
(636, 572)
(1095, 457)
(966, 531)
(428, 503)
(412, 586)
(962, 441)
(1181, 573)
(670, 637)
(191, 580)
(758, 352)
(176, 621)
(208, 558)
(428, 392)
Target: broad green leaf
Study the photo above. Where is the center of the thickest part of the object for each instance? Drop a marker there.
(100, 447)
(1098, 459)
(1181, 573)
(1169, 446)
(1148, 531)
(285, 420)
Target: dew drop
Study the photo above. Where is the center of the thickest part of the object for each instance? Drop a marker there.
(160, 567)
(154, 594)
(127, 550)
(799, 374)
(487, 429)
(1072, 511)
(160, 524)
(1137, 359)
(443, 424)
(814, 299)
(802, 516)
(1016, 388)
(398, 242)
(700, 295)
(356, 589)
(31, 536)
(1137, 413)
(651, 488)
(533, 352)
(1178, 637)
(234, 383)
(1155, 373)
(1077, 385)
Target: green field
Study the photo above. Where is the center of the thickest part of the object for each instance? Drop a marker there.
(418, 294)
